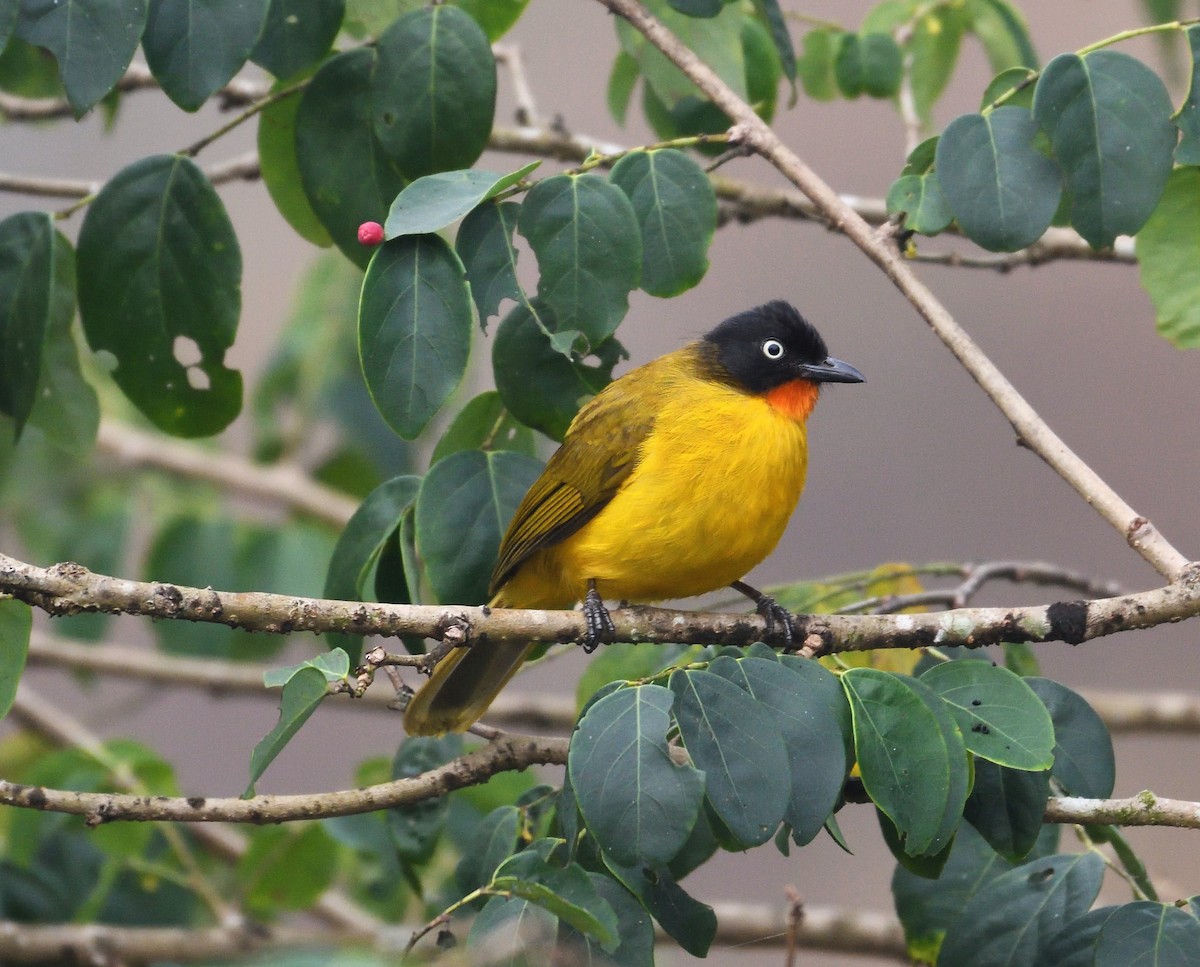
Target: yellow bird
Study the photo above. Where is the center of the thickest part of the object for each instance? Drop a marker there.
(675, 480)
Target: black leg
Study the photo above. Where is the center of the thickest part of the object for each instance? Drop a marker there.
(600, 627)
(772, 611)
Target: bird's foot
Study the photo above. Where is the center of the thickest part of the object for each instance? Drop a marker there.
(775, 614)
(600, 627)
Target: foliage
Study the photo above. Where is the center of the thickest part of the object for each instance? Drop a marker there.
(677, 753)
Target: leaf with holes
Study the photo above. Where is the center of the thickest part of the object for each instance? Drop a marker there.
(159, 273)
(414, 329)
(485, 245)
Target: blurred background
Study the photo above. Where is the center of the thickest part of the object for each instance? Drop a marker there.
(915, 466)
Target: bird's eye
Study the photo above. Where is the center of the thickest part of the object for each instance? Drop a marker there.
(772, 349)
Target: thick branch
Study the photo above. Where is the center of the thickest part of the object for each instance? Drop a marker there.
(1144, 809)
(881, 249)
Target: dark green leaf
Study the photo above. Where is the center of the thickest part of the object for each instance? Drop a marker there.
(1006, 806)
(1083, 752)
(514, 932)
(634, 928)
(358, 547)
(347, 176)
(1146, 934)
(539, 385)
(286, 867)
(494, 16)
(160, 288)
(485, 245)
(463, 509)
(928, 866)
(1129, 860)
(811, 734)
(697, 8)
(585, 235)
(900, 734)
(622, 662)
(1109, 119)
(433, 202)
(920, 198)
(16, 622)
(637, 803)
(92, 40)
(816, 63)
(1075, 944)
(1002, 30)
(36, 279)
(827, 688)
(1187, 119)
(280, 169)
(690, 923)
(676, 207)
(492, 841)
(868, 64)
(484, 424)
(772, 15)
(193, 47)
(1011, 921)
(297, 34)
(9, 10)
(414, 329)
(763, 72)
(1000, 717)
(567, 892)
(434, 92)
(415, 828)
(1168, 253)
(301, 696)
(927, 907)
(1002, 190)
(734, 741)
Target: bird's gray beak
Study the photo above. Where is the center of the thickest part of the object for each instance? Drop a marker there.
(831, 371)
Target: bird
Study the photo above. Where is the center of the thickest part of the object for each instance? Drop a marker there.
(676, 479)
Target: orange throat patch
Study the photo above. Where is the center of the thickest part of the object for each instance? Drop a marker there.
(795, 400)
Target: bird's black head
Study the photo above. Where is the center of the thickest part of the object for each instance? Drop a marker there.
(771, 345)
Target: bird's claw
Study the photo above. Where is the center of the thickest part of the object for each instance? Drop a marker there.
(599, 623)
(776, 614)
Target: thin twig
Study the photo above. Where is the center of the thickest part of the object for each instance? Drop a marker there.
(1031, 429)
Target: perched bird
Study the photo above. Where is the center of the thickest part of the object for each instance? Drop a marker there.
(675, 480)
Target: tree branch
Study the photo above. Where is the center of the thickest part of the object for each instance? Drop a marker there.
(1031, 429)
(1144, 809)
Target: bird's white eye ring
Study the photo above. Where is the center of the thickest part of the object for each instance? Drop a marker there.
(772, 349)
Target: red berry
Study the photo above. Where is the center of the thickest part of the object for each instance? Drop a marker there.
(370, 233)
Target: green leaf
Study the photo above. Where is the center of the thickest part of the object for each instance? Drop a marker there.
(168, 328)
(1083, 752)
(1187, 119)
(811, 733)
(66, 409)
(414, 329)
(347, 176)
(1006, 806)
(1128, 859)
(484, 424)
(634, 928)
(1168, 251)
(92, 40)
(1002, 30)
(734, 741)
(638, 804)
(373, 524)
(539, 385)
(37, 282)
(9, 11)
(625, 662)
(771, 14)
(301, 696)
(1075, 944)
(816, 63)
(567, 892)
(1002, 190)
(415, 828)
(921, 200)
(1012, 920)
(697, 8)
(193, 47)
(433, 94)
(485, 244)
(16, 623)
(676, 209)
(934, 45)
(334, 665)
(868, 64)
(494, 16)
(285, 867)
(297, 35)
(1143, 933)
(1019, 79)
(900, 733)
(433, 202)
(690, 923)
(492, 840)
(1000, 717)
(1109, 119)
(622, 79)
(928, 866)
(514, 932)
(585, 235)
(463, 509)
(280, 169)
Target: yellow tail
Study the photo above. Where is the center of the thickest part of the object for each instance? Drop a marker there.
(463, 685)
